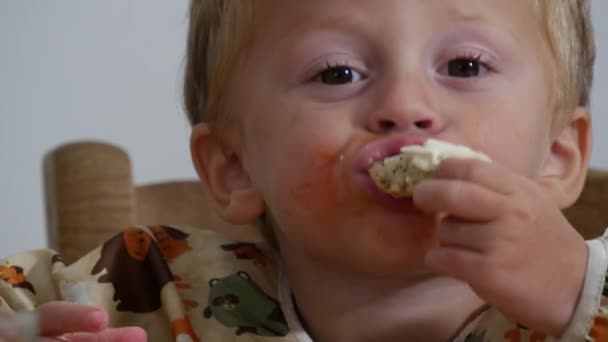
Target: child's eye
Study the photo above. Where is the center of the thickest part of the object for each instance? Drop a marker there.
(339, 75)
(465, 67)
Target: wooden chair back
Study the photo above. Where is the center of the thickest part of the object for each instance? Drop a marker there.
(590, 212)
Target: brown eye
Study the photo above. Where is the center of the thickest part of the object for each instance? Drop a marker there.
(339, 75)
(464, 67)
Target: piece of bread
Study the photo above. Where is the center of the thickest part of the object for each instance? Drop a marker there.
(397, 175)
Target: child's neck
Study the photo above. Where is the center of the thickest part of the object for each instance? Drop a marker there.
(339, 307)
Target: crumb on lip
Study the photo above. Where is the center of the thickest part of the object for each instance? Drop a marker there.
(397, 175)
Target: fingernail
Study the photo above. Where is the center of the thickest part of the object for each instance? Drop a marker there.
(97, 319)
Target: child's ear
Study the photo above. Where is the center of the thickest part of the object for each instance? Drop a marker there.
(228, 183)
(565, 170)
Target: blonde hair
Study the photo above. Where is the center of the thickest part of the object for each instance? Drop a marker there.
(568, 26)
(220, 30)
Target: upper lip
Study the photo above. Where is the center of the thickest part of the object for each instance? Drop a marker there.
(387, 147)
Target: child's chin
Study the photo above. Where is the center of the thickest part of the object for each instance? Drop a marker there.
(402, 249)
(397, 237)
(379, 260)
(395, 269)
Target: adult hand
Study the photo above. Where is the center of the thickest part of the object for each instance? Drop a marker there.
(63, 321)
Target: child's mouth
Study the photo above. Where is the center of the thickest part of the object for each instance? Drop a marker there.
(394, 175)
(380, 150)
(404, 205)
(376, 152)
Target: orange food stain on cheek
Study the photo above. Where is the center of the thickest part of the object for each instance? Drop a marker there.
(390, 237)
(317, 191)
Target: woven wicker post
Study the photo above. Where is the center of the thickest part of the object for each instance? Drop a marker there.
(89, 196)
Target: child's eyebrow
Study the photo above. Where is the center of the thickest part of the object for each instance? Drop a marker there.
(341, 23)
(462, 14)
(336, 22)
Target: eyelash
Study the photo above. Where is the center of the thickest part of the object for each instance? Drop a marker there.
(476, 56)
(328, 65)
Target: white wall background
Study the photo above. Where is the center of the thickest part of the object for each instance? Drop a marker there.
(109, 70)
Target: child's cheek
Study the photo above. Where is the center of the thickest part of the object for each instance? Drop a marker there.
(323, 186)
(316, 190)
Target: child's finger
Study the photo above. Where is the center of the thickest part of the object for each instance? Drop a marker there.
(456, 263)
(457, 233)
(130, 334)
(490, 175)
(457, 198)
(57, 318)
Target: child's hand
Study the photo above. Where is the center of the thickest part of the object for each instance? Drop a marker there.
(506, 238)
(62, 321)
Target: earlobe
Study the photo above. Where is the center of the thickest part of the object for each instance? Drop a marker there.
(565, 170)
(222, 172)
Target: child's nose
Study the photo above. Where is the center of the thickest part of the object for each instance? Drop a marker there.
(405, 106)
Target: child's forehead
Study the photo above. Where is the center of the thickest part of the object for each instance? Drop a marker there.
(470, 9)
(295, 15)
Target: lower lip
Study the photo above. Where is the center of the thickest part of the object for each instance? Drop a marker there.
(403, 206)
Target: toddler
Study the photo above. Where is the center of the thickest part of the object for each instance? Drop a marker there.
(291, 103)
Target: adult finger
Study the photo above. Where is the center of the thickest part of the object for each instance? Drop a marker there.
(57, 318)
(461, 199)
(128, 334)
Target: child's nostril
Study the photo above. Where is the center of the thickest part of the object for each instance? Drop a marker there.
(424, 124)
(386, 125)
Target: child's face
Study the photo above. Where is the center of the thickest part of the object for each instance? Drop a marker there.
(331, 84)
